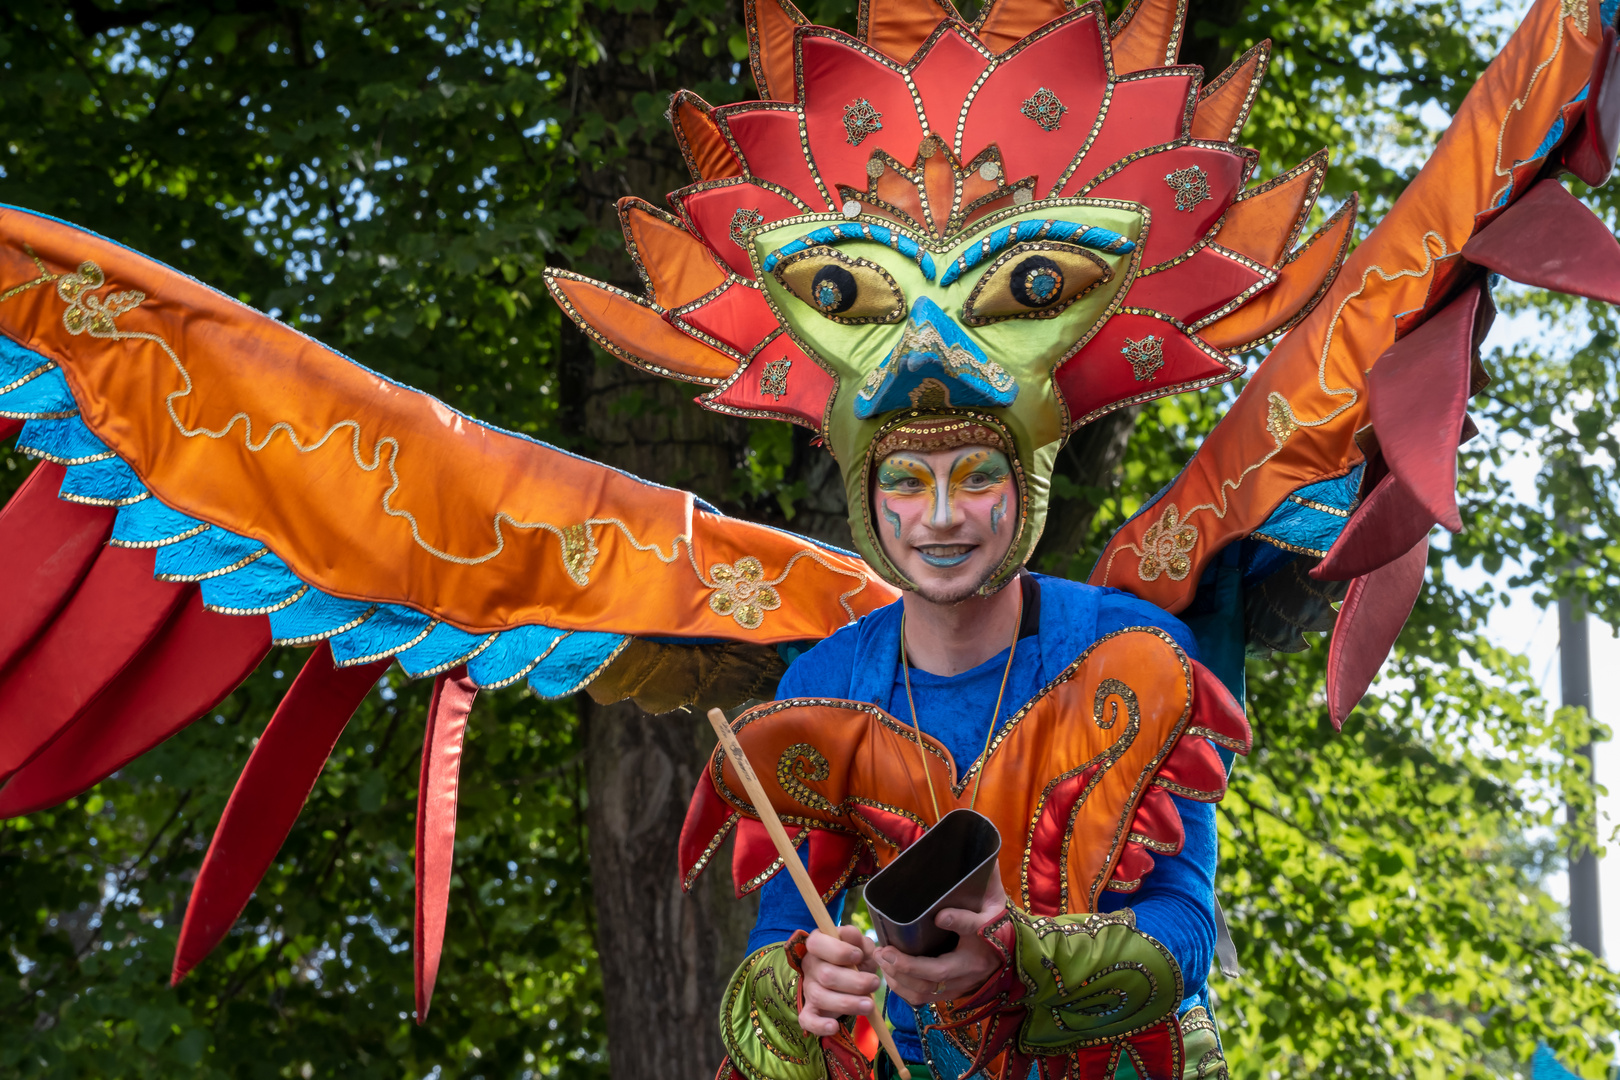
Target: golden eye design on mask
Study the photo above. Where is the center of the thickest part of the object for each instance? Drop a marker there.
(1034, 281)
(843, 288)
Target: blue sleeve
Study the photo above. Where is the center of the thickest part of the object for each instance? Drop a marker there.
(1176, 903)
(1119, 609)
(821, 671)
(782, 910)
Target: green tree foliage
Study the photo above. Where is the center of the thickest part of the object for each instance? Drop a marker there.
(391, 177)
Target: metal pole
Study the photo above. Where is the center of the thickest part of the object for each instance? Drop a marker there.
(1575, 673)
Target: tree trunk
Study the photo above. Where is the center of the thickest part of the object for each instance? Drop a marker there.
(666, 955)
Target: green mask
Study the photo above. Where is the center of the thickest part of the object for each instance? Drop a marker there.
(971, 327)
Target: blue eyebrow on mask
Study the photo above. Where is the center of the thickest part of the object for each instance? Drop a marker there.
(853, 230)
(1091, 236)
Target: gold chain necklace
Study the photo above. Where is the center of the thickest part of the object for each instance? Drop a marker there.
(916, 729)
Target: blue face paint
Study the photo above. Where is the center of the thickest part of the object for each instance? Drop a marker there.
(997, 512)
(892, 518)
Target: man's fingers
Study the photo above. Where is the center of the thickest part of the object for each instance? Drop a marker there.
(913, 990)
(959, 920)
(829, 1003)
(843, 979)
(815, 1024)
(833, 950)
(928, 969)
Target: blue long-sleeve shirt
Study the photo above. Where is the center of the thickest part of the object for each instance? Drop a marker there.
(1175, 903)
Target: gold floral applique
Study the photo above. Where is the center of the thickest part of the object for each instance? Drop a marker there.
(1280, 418)
(1577, 10)
(87, 311)
(742, 592)
(579, 552)
(1165, 546)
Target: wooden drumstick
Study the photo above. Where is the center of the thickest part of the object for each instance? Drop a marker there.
(795, 866)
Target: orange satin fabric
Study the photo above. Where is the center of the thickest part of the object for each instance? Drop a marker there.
(862, 770)
(1006, 23)
(1151, 36)
(478, 496)
(1243, 471)
(1224, 104)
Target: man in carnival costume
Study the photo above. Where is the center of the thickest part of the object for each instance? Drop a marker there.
(943, 246)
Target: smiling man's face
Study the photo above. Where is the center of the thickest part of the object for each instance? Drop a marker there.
(946, 517)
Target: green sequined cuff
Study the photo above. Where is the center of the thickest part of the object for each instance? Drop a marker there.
(759, 1020)
(1090, 978)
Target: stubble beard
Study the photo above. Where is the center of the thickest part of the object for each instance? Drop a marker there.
(954, 594)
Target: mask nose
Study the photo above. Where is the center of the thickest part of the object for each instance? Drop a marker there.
(934, 365)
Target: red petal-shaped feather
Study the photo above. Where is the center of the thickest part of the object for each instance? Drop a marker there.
(1158, 1051)
(1417, 395)
(837, 72)
(832, 857)
(780, 382)
(9, 426)
(708, 819)
(1374, 610)
(1065, 58)
(1135, 357)
(117, 609)
(891, 830)
(197, 659)
(768, 139)
(1198, 287)
(1385, 526)
(1145, 110)
(1157, 825)
(1552, 240)
(1187, 187)
(1590, 150)
(711, 210)
(1194, 771)
(738, 318)
(753, 855)
(268, 796)
(1043, 878)
(453, 694)
(1217, 716)
(1134, 864)
(946, 74)
(49, 544)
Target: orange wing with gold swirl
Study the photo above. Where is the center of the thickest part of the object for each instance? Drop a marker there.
(213, 483)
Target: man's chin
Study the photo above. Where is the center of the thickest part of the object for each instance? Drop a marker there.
(952, 588)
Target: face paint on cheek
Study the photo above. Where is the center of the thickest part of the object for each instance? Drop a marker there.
(979, 473)
(892, 518)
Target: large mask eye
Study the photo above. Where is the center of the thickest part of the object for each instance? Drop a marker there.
(1034, 281)
(845, 289)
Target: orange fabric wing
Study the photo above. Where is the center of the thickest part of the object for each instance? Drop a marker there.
(1296, 420)
(348, 490)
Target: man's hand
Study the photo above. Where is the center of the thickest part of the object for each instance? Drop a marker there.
(923, 980)
(840, 977)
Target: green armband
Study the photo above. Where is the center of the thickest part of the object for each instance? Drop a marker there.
(1090, 978)
(759, 1021)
